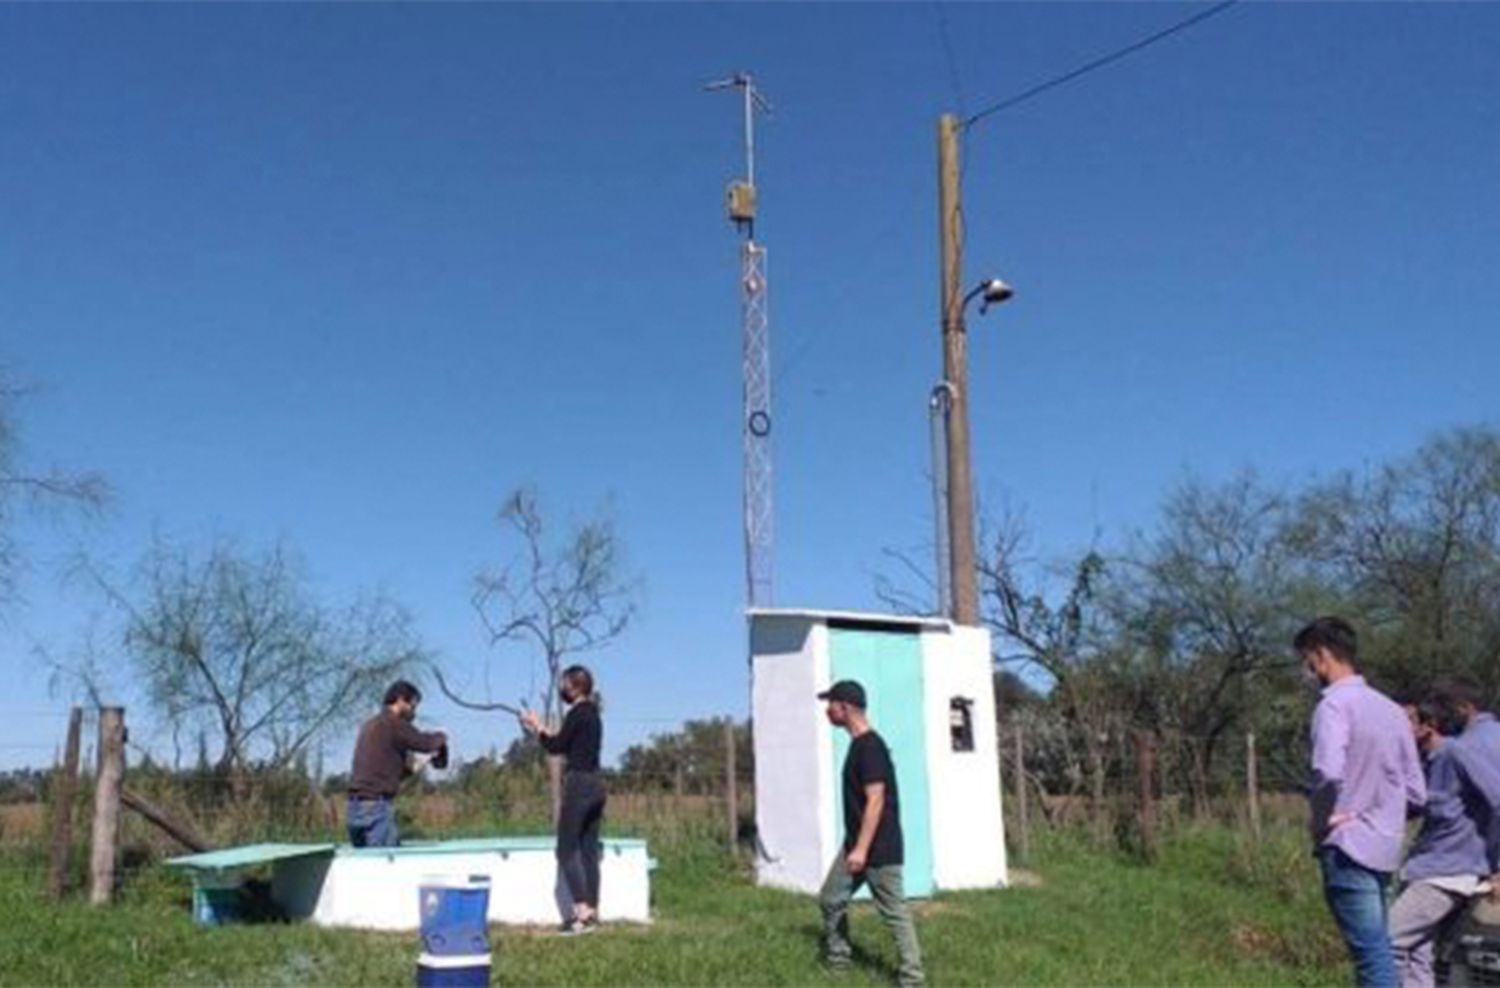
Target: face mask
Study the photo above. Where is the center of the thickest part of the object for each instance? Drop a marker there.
(1310, 679)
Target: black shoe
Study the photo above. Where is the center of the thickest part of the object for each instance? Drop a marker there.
(578, 927)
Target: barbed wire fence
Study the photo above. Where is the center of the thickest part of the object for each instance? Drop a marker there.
(1129, 786)
(49, 824)
(1121, 785)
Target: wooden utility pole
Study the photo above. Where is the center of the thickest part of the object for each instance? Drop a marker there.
(1023, 844)
(64, 790)
(731, 785)
(110, 778)
(1252, 784)
(961, 546)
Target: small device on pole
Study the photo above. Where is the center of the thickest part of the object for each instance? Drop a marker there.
(756, 370)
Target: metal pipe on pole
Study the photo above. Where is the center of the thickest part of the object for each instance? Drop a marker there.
(938, 405)
(963, 578)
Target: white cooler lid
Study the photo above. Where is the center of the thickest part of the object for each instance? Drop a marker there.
(456, 960)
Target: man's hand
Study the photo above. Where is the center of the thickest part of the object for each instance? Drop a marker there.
(856, 860)
(1337, 820)
(1495, 887)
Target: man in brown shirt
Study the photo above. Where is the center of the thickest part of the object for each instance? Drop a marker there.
(380, 755)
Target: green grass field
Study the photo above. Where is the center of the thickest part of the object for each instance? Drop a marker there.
(1214, 910)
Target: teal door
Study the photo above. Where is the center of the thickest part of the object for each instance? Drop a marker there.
(889, 666)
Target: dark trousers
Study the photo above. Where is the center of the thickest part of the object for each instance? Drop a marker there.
(578, 845)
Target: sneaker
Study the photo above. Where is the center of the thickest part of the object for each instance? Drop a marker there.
(577, 927)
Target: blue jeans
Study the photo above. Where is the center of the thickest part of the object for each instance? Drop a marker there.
(372, 823)
(1356, 897)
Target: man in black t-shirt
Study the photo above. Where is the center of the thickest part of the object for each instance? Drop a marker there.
(873, 851)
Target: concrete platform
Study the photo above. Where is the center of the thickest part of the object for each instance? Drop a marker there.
(377, 888)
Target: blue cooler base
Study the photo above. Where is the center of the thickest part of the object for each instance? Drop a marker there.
(455, 916)
(462, 971)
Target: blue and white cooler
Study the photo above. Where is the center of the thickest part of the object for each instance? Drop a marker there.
(455, 932)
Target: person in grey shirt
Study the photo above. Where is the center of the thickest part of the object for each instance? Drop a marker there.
(1449, 862)
(1480, 741)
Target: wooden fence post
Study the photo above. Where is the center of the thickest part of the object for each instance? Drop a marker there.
(1252, 784)
(110, 777)
(1145, 761)
(64, 791)
(731, 786)
(1023, 822)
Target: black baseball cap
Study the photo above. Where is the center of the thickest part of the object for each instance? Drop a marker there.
(845, 691)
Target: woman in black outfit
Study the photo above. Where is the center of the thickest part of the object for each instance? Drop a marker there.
(582, 811)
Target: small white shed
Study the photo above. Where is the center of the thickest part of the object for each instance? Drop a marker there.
(931, 697)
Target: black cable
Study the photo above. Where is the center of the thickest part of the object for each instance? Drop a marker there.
(1099, 63)
(954, 79)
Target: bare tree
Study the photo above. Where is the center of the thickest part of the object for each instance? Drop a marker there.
(1414, 548)
(23, 487)
(1209, 612)
(1065, 635)
(559, 600)
(235, 644)
(913, 590)
(1048, 620)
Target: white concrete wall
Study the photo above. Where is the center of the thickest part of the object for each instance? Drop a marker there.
(793, 751)
(968, 834)
(374, 891)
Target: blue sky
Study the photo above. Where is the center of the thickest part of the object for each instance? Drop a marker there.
(345, 275)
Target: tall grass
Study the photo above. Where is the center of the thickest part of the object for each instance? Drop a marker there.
(1215, 908)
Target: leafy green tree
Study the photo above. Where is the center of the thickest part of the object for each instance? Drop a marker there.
(694, 756)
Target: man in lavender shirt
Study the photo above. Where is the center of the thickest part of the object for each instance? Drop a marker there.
(1365, 775)
(1449, 861)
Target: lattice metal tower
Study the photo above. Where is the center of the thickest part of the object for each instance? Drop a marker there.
(756, 370)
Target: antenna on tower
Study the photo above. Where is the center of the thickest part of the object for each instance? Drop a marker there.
(756, 370)
(741, 197)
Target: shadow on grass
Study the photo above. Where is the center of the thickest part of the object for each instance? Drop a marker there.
(859, 957)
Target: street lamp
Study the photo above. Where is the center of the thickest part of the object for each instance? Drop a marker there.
(940, 403)
(992, 291)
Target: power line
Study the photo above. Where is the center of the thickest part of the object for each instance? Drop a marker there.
(1100, 62)
(954, 79)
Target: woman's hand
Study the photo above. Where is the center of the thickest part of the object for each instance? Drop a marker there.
(531, 722)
